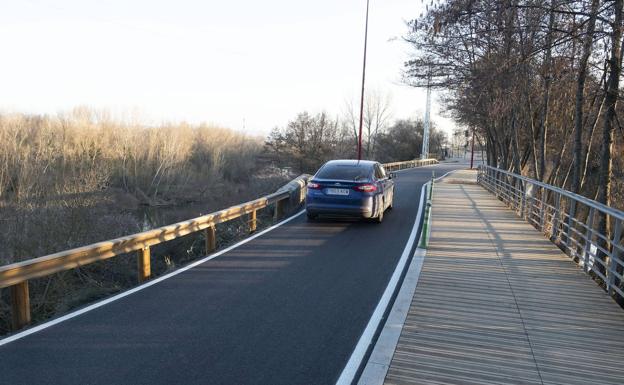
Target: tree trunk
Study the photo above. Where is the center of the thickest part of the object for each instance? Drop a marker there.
(580, 97)
(606, 150)
(543, 132)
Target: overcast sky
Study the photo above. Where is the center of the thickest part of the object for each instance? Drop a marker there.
(235, 63)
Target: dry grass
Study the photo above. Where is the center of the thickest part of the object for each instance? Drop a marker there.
(74, 179)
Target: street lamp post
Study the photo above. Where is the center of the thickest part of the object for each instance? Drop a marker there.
(359, 150)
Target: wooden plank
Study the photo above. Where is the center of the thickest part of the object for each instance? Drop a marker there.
(210, 234)
(144, 269)
(20, 305)
(253, 221)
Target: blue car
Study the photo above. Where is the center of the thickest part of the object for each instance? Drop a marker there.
(350, 188)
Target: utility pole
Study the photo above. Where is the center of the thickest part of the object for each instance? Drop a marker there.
(359, 149)
(425, 145)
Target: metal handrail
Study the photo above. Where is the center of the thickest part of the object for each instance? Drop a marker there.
(579, 198)
(15, 276)
(555, 212)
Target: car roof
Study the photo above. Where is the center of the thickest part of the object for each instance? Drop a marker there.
(350, 162)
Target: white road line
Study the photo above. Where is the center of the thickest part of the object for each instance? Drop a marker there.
(355, 361)
(141, 287)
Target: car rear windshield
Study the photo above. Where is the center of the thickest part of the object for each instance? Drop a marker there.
(344, 172)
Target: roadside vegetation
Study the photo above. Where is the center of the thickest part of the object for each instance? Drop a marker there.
(308, 141)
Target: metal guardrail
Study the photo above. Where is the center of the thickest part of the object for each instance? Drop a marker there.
(570, 220)
(394, 166)
(16, 276)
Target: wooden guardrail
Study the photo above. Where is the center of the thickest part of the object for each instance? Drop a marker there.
(409, 164)
(16, 276)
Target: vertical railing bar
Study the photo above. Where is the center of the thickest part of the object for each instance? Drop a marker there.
(615, 255)
(554, 233)
(571, 218)
(542, 208)
(518, 195)
(588, 237)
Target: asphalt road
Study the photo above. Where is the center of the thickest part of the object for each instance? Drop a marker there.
(285, 308)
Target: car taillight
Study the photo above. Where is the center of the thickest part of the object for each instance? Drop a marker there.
(366, 188)
(314, 186)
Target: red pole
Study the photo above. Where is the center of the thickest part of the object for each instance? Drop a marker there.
(359, 150)
(472, 151)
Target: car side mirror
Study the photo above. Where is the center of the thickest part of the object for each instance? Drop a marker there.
(393, 175)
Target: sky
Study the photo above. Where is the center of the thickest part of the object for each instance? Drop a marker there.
(243, 64)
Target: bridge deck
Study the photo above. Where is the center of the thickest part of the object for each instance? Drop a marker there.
(497, 303)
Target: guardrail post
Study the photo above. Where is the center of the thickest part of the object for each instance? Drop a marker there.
(588, 235)
(615, 255)
(211, 239)
(252, 221)
(279, 209)
(20, 305)
(143, 264)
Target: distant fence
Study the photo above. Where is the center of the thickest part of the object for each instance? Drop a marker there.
(570, 220)
(16, 276)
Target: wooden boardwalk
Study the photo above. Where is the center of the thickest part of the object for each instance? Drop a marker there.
(497, 303)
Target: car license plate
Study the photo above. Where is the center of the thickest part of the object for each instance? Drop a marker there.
(337, 191)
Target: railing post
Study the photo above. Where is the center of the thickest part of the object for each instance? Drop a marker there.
(571, 220)
(522, 199)
(211, 239)
(542, 208)
(144, 269)
(252, 221)
(279, 209)
(615, 255)
(496, 184)
(554, 233)
(588, 235)
(531, 205)
(20, 305)
(517, 195)
(302, 193)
